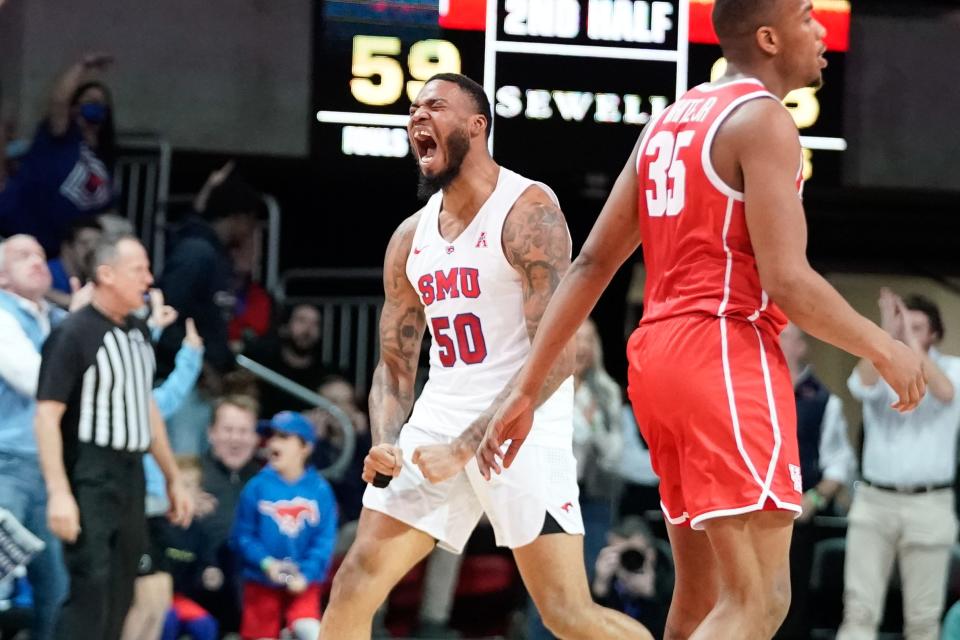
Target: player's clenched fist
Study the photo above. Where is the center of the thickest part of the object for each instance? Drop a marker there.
(383, 458)
(439, 462)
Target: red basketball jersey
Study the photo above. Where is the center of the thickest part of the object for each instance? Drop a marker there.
(696, 246)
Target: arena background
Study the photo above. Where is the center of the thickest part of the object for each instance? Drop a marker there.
(247, 78)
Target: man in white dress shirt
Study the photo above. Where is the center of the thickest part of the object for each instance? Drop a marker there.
(905, 507)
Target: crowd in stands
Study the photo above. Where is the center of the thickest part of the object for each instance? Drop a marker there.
(269, 528)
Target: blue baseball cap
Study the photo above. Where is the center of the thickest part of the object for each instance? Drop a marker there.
(288, 422)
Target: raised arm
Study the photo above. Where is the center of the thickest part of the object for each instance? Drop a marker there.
(402, 324)
(614, 238)
(762, 137)
(58, 113)
(181, 503)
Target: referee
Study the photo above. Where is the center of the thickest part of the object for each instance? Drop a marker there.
(95, 419)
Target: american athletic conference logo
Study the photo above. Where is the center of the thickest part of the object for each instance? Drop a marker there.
(291, 515)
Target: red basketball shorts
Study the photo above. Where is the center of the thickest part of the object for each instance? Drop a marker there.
(267, 610)
(714, 401)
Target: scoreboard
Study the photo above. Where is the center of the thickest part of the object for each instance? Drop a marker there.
(571, 82)
(576, 81)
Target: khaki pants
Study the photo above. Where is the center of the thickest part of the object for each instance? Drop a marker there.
(919, 530)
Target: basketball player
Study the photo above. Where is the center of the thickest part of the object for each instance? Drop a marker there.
(470, 265)
(713, 188)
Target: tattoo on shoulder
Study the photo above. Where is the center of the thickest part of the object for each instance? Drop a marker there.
(402, 320)
(537, 244)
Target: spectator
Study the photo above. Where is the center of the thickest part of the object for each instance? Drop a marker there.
(66, 173)
(252, 315)
(74, 256)
(633, 576)
(293, 353)
(186, 553)
(113, 224)
(905, 505)
(95, 418)
(17, 547)
(597, 446)
(826, 467)
(641, 486)
(597, 439)
(225, 469)
(951, 623)
(349, 487)
(153, 588)
(440, 578)
(198, 275)
(285, 531)
(25, 321)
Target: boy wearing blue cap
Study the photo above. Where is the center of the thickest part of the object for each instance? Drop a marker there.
(284, 534)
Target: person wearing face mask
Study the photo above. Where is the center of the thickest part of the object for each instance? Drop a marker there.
(66, 174)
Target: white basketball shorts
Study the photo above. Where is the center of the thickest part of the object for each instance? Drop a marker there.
(541, 480)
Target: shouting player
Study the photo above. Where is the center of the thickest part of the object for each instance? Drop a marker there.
(478, 265)
(713, 189)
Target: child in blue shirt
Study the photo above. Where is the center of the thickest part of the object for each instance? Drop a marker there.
(284, 534)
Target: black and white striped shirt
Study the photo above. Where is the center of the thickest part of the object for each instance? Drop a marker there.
(103, 373)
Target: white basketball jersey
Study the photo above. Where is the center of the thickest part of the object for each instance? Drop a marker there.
(473, 301)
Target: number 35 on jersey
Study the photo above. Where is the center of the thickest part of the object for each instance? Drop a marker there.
(666, 173)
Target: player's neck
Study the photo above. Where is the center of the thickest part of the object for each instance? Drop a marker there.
(477, 179)
(764, 73)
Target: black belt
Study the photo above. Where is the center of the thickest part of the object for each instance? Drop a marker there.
(912, 490)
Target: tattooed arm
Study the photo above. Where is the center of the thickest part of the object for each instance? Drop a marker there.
(536, 242)
(614, 237)
(401, 331)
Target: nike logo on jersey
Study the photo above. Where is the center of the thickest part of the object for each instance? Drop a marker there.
(453, 283)
(566, 507)
(417, 250)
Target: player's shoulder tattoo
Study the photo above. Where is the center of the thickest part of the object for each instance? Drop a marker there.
(402, 320)
(536, 242)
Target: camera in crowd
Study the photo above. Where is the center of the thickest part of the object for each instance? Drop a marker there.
(633, 559)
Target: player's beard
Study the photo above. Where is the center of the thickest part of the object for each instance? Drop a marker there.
(458, 144)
